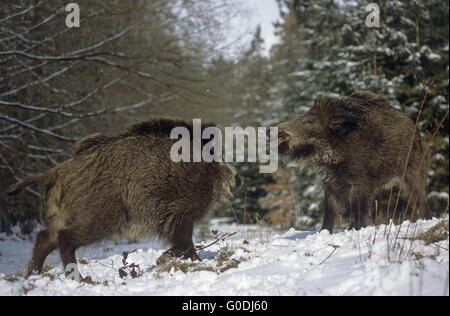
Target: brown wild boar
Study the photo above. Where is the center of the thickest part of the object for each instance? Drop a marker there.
(360, 145)
(127, 186)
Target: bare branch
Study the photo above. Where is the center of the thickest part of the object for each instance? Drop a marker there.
(54, 75)
(15, 176)
(102, 43)
(20, 13)
(54, 111)
(73, 55)
(36, 129)
(141, 104)
(49, 150)
(15, 136)
(25, 69)
(11, 127)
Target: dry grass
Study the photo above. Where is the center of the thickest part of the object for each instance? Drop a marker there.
(424, 164)
(181, 265)
(12, 277)
(223, 259)
(46, 272)
(435, 234)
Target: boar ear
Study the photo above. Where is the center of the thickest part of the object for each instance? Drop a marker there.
(343, 124)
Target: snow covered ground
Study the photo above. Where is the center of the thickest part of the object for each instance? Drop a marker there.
(255, 261)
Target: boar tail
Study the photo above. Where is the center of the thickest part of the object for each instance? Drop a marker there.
(19, 186)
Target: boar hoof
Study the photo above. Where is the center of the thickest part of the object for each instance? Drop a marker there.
(174, 253)
(29, 272)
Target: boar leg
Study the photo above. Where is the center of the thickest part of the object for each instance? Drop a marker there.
(182, 245)
(43, 247)
(331, 211)
(360, 203)
(67, 248)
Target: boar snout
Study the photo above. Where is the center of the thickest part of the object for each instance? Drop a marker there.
(284, 139)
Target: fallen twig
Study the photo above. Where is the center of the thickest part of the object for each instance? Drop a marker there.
(329, 256)
(221, 238)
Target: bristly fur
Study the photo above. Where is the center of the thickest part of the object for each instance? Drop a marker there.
(158, 127)
(127, 185)
(90, 141)
(161, 127)
(369, 99)
(360, 144)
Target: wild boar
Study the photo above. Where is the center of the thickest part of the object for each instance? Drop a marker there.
(360, 145)
(127, 185)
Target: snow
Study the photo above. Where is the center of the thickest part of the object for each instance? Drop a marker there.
(300, 73)
(440, 195)
(273, 263)
(434, 57)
